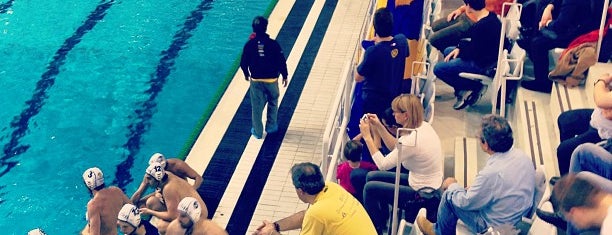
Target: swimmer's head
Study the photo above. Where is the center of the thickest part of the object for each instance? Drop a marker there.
(156, 170)
(93, 178)
(158, 157)
(189, 211)
(260, 24)
(37, 232)
(128, 218)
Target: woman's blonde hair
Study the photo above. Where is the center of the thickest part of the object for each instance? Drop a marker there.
(411, 104)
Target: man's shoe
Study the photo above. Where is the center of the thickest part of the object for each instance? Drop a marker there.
(272, 130)
(461, 101)
(552, 218)
(538, 86)
(425, 226)
(255, 134)
(474, 96)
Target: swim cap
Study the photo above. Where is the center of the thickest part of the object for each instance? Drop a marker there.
(129, 214)
(37, 232)
(191, 207)
(158, 157)
(93, 178)
(156, 170)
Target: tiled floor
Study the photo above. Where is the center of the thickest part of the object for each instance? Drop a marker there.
(303, 139)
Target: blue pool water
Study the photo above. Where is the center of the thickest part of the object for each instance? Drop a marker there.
(106, 84)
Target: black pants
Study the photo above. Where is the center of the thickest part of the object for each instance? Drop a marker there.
(574, 130)
(378, 195)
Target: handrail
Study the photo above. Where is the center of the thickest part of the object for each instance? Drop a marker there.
(333, 136)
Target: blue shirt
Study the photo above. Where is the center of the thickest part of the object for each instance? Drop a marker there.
(502, 191)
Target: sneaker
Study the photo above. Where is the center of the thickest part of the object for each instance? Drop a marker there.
(425, 226)
(460, 103)
(254, 134)
(474, 97)
(272, 130)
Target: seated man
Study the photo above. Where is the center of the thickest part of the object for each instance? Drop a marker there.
(332, 209)
(178, 167)
(448, 31)
(584, 204)
(562, 21)
(104, 205)
(129, 222)
(189, 221)
(475, 55)
(502, 192)
(171, 189)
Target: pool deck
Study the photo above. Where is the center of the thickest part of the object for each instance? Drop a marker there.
(302, 141)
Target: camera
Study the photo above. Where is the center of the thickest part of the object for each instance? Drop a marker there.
(364, 117)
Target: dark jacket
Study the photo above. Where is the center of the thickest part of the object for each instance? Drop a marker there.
(483, 43)
(262, 57)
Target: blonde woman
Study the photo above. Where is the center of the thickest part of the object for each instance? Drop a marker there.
(421, 154)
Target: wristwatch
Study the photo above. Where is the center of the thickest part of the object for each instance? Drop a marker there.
(276, 227)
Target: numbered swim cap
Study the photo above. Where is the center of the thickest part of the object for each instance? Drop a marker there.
(191, 207)
(93, 178)
(37, 232)
(156, 170)
(158, 157)
(129, 214)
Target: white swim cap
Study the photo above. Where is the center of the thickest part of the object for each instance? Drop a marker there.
(93, 178)
(156, 170)
(37, 232)
(191, 207)
(129, 214)
(158, 157)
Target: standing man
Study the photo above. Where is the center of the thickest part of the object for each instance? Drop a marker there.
(104, 205)
(190, 221)
(332, 209)
(262, 62)
(382, 67)
(502, 192)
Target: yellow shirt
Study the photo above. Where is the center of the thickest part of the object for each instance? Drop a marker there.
(335, 211)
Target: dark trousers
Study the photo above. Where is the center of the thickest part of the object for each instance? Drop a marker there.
(378, 195)
(574, 130)
(538, 49)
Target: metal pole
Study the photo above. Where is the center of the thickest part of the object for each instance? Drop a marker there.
(602, 26)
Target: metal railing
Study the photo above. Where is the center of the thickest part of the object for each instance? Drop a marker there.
(335, 129)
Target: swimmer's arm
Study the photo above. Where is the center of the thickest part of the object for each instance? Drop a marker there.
(138, 194)
(191, 173)
(93, 214)
(171, 213)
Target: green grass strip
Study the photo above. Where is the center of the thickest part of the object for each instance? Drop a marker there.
(215, 99)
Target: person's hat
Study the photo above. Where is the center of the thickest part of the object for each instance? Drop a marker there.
(36, 232)
(158, 157)
(129, 214)
(191, 207)
(93, 178)
(156, 170)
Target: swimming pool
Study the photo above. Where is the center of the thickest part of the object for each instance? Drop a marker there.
(105, 84)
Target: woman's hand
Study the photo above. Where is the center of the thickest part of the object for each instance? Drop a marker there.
(453, 15)
(364, 127)
(452, 55)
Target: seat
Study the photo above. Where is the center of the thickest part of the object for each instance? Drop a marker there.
(509, 64)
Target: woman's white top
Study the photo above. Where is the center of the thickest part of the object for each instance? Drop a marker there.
(421, 154)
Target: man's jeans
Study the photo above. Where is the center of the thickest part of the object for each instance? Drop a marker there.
(449, 73)
(448, 215)
(593, 158)
(262, 93)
